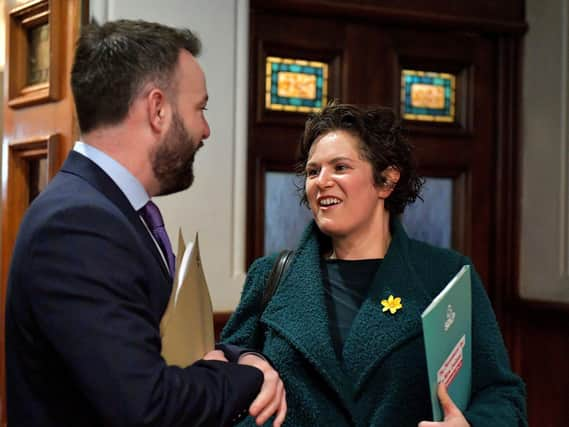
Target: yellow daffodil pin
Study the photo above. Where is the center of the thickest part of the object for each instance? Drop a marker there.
(392, 304)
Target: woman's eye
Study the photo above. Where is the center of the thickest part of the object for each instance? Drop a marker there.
(311, 172)
(341, 167)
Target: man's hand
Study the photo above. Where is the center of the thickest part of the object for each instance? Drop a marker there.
(453, 416)
(272, 397)
(215, 355)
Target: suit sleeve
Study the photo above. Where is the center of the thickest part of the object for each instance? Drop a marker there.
(88, 292)
(498, 395)
(244, 327)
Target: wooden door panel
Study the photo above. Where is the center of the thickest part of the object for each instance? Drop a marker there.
(371, 59)
(369, 66)
(481, 46)
(39, 119)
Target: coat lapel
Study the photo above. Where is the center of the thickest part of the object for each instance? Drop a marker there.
(81, 166)
(298, 313)
(375, 333)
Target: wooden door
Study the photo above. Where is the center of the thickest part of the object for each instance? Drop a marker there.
(365, 65)
(39, 115)
(368, 47)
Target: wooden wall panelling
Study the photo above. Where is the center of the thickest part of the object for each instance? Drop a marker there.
(544, 344)
(24, 20)
(485, 16)
(273, 135)
(39, 119)
(481, 42)
(464, 148)
(483, 160)
(19, 156)
(368, 75)
(372, 59)
(507, 184)
(462, 212)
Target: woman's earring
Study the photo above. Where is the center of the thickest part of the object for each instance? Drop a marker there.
(390, 185)
(388, 182)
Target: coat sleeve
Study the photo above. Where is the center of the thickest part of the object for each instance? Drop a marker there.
(244, 328)
(498, 395)
(88, 291)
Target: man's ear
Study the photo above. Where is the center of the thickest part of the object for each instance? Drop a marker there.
(158, 108)
(391, 176)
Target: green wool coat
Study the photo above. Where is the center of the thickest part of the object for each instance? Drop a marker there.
(383, 381)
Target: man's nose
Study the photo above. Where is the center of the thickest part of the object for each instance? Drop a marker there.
(207, 131)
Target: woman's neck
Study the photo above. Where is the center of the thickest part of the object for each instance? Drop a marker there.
(369, 245)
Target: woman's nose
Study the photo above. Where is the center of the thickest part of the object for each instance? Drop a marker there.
(324, 178)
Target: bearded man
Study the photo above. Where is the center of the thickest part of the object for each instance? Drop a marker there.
(92, 267)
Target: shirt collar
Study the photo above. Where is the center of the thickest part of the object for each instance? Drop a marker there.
(129, 185)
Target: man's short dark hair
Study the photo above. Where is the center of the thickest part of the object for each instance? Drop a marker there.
(381, 144)
(115, 61)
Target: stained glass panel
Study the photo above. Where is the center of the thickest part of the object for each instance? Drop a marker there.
(295, 84)
(428, 96)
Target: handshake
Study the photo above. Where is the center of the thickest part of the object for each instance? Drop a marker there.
(271, 400)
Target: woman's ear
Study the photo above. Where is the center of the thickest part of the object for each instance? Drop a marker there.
(391, 177)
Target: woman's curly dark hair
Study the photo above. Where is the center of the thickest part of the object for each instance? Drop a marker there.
(381, 144)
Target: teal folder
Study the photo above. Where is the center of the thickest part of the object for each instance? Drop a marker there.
(448, 341)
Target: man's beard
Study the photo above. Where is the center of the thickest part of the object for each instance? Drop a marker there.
(173, 160)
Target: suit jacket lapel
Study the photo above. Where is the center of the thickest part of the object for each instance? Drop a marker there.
(375, 333)
(298, 313)
(81, 166)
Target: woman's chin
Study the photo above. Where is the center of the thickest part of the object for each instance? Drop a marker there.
(329, 228)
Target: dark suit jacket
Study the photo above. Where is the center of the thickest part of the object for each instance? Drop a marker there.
(87, 289)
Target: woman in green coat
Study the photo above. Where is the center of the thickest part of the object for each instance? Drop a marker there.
(344, 359)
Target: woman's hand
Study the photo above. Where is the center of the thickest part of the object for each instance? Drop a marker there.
(272, 397)
(453, 416)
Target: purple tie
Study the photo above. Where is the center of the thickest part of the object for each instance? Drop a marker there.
(151, 215)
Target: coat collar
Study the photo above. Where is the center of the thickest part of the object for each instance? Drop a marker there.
(298, 313)
(375, 333)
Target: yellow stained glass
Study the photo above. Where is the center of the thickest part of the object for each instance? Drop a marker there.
(297, 85)
(429, 96)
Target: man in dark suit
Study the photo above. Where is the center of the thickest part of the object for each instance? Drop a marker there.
(90, 278)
